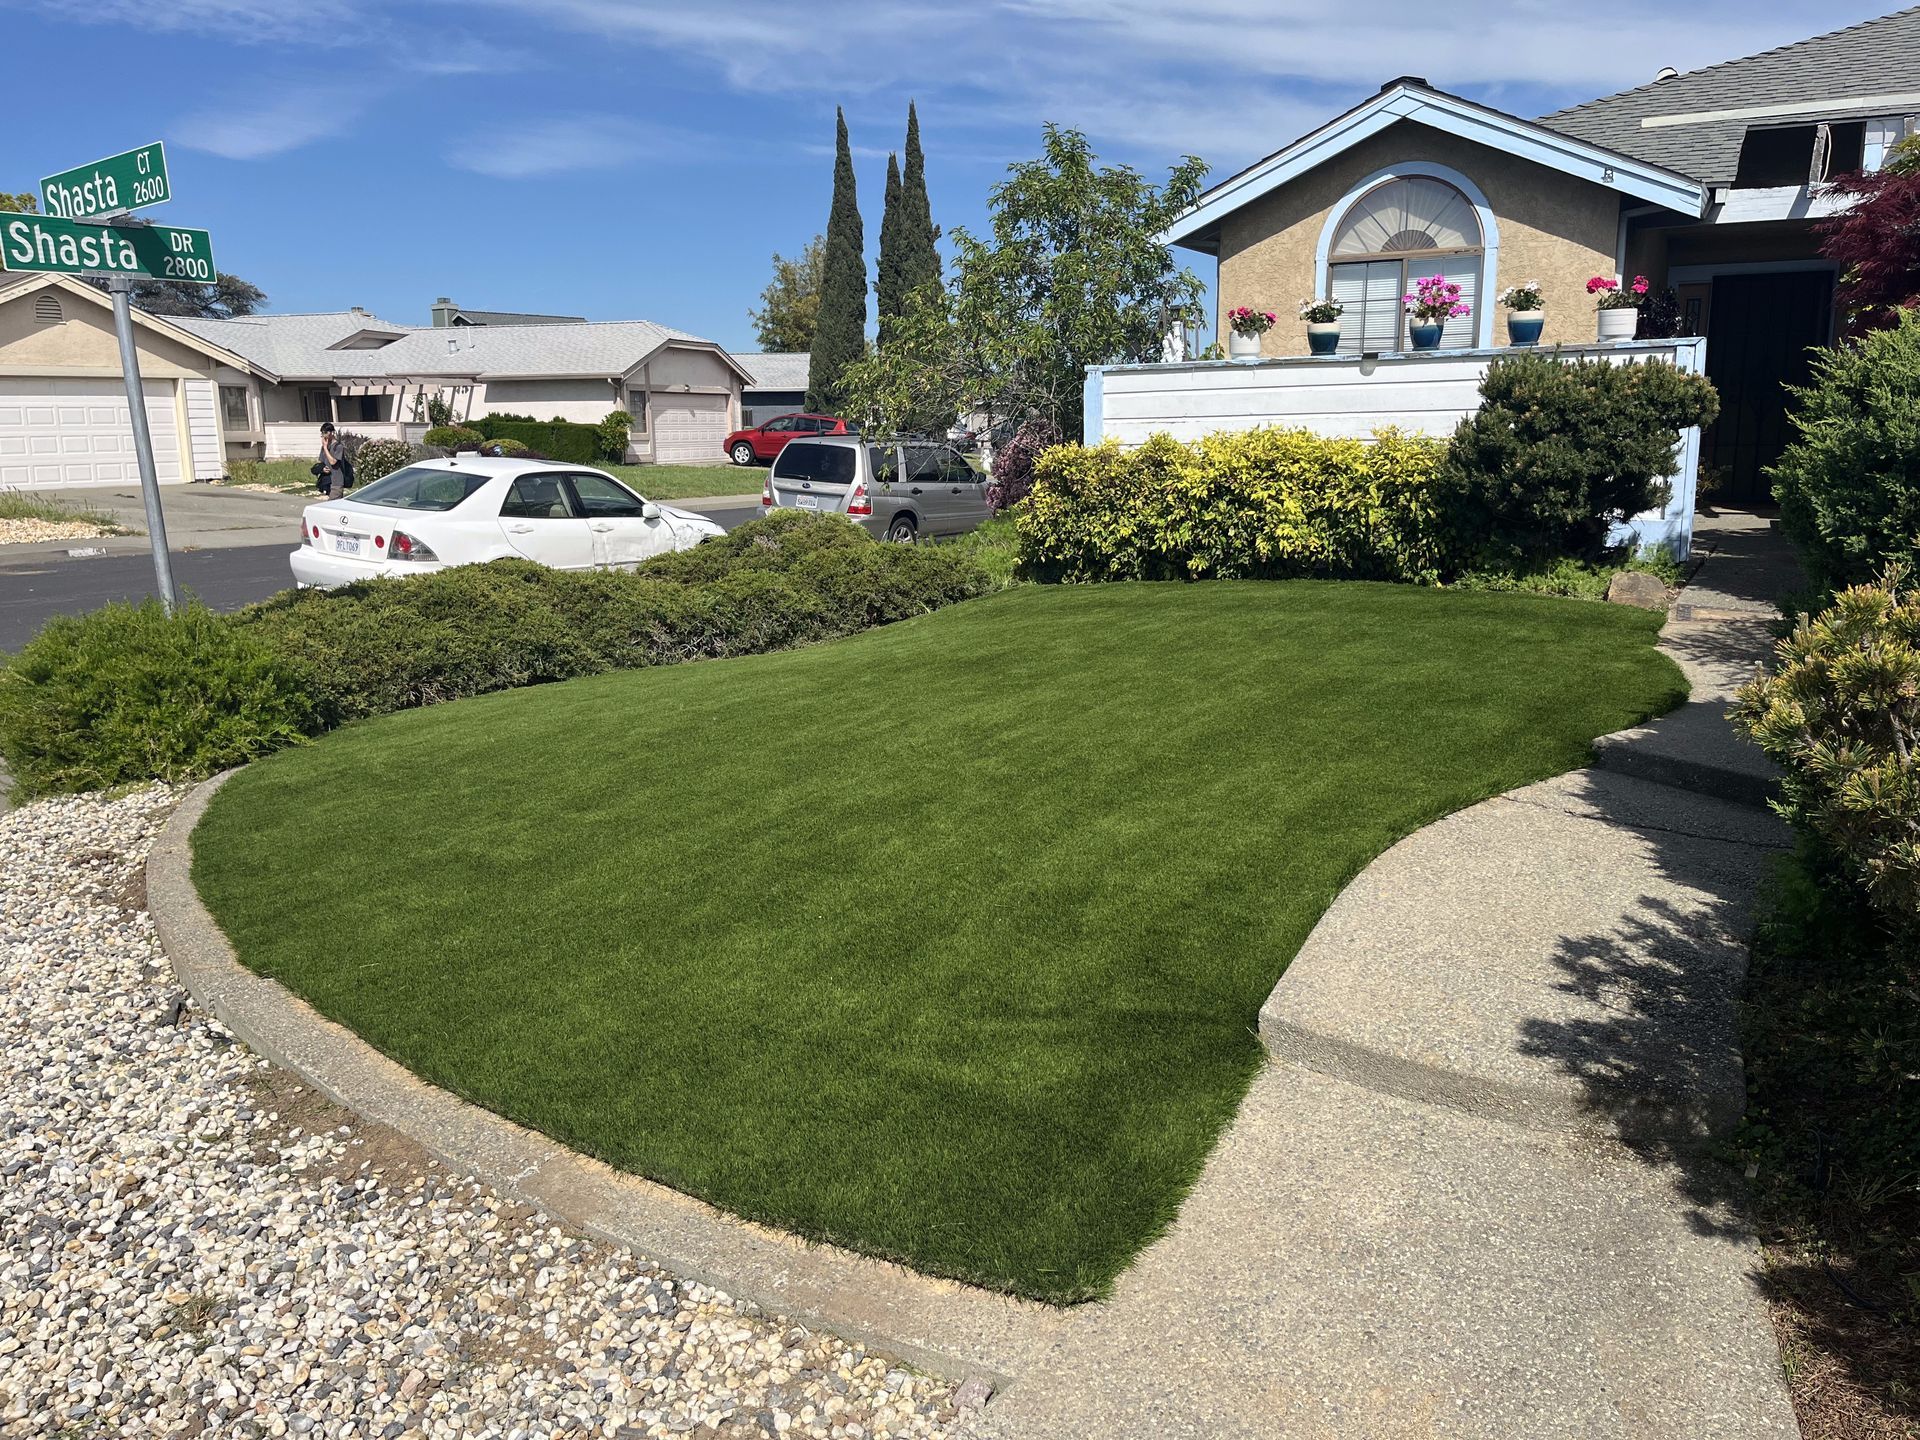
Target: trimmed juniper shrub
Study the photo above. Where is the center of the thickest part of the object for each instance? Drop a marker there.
(128, 693)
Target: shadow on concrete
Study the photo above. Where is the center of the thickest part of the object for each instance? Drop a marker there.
(1655, 1045)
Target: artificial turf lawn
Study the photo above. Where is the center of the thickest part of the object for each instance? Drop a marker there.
(945, 942)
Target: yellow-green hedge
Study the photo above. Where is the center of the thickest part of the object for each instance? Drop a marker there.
(1259, 503)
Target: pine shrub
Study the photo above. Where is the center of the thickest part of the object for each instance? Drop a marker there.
(1849, 484)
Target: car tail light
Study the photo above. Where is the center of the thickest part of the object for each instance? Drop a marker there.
(766, 491)
(858, 501)
(405, 547)
(305, 537)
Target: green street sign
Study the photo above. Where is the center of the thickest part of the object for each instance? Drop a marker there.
(43, 242)
(119, 182)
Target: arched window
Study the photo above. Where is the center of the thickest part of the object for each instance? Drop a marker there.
(1392, 236)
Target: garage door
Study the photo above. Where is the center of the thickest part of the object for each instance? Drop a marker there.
(77, 432)
(689, 429)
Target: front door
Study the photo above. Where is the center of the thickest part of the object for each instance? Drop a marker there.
(1761, 330)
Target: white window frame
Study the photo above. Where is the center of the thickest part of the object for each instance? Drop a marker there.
(1482, 321)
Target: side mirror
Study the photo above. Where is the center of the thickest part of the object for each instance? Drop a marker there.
(649, 511)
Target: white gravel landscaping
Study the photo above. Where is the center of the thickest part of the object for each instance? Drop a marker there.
(33, 531)
(191, 1243)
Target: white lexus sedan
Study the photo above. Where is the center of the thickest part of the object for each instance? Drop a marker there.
(469, 509)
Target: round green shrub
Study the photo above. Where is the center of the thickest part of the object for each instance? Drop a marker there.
(1849, 485)
(378, 458)
(506, 445)
(127, 693)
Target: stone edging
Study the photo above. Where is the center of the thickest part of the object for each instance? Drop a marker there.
(949, 1329)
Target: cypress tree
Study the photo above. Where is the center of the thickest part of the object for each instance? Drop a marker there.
(841, 337)
(888, 292)
(919, 260)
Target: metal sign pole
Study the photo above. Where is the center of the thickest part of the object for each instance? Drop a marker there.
(121, 288)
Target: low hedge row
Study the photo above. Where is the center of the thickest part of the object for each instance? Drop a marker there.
(126, 694)
(555, 439)
(1266, 504)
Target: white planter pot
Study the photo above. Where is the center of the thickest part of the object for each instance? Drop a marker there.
(1617, 324)
(1242, 347)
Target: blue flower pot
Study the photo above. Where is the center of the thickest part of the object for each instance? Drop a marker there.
(1323, 338)
(1427, 336)
(1523, 326)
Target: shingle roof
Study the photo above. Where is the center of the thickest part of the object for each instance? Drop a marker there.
(1875, 58)
(296, 346)
(776, 369)
(289, 344)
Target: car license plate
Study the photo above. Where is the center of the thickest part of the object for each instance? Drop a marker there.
(807, 502)
(346, 544)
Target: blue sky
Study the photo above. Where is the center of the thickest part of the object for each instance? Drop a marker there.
(624, 159)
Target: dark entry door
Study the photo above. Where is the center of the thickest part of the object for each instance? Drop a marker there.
(1760, 329)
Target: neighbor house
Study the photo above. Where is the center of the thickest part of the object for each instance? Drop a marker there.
(380, 379)
(63, 404)
(447, 315)
(778, 386)
(1706, 182)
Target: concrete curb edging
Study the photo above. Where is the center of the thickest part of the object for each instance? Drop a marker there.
(944, 1327)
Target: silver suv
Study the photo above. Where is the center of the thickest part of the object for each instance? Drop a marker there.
(895, 489)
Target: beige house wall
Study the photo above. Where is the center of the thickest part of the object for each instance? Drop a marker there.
(1553, 228)
(84, 343)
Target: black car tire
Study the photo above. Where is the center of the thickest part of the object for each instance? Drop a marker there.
(903, 531)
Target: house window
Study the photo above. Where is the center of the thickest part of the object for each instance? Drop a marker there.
(1800, 154)
(637, 408)
(233, 408)
(1392, 236)
(47, 311)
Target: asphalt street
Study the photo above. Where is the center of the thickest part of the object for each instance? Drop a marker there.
(34, 589)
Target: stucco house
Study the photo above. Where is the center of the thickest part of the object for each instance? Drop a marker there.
(376, 377)
(63, 405)
(1703, 182)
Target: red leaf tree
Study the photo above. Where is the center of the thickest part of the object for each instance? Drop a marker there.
(1877, 239)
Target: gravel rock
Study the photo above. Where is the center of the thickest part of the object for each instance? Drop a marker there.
(27, 532)
(192, 1243)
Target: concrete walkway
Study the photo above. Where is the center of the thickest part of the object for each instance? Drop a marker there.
(1470, 1196)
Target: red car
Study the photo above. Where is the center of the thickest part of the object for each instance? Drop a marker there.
(759, 445)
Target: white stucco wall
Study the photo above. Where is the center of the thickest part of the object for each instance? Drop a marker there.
(585, 401)
(1425, 394)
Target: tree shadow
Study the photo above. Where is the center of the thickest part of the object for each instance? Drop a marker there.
(1655, 1043)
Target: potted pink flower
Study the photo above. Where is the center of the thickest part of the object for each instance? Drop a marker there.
(1618, 306)
(1434, 301)
(1247, 326)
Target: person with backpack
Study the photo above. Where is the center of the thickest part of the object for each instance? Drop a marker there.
(333, 475)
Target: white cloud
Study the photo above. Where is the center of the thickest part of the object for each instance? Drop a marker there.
(522, 150)
(256, 126)
(240, 22)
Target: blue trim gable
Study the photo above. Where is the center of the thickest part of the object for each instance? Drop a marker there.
(1449, 113)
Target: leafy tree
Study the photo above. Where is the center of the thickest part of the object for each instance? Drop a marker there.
(789, 310)
(1070, 274)
(23, 203)
(1877, 239)
(920, 377)
(841, 338)
(225, 299)
(888, 293)
(1849, 483)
